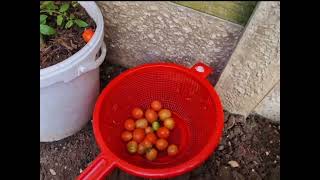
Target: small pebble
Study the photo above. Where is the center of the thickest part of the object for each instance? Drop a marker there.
(109, 76)
(56, 164)
(52, 172)
(229, 143)
(267, 153)
(233, 164)
(271, 142)
(278, 157)
(65, 167)
(252, 170)
(220, 148)
(81, 170)
(63, 147)
(275, 161)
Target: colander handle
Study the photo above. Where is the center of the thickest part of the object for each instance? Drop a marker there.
(202, 70)
(98, 169)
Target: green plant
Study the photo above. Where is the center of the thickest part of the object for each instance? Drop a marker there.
(60, 15)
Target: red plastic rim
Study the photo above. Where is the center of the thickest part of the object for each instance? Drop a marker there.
(165, 172)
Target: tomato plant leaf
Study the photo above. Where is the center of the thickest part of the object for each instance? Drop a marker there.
(81, 23)
(69, 24)
(64, 7)
(43, 18)
(59, 20)
(46, 30)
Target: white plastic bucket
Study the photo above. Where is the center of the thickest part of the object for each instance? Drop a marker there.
(68, 90)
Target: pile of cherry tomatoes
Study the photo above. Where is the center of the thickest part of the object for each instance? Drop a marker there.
(148, 133)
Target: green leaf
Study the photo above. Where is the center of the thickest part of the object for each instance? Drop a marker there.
(59, 20)
(46, 30)
(69, 24)
(64, 7)
(45, 4)
(81, 23)
(43, 18)
(52, 6)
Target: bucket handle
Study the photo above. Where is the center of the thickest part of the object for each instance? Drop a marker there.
(202, 70)
(98, 169)
(94, 64)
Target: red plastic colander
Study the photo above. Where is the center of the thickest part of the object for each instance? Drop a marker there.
(186, 92)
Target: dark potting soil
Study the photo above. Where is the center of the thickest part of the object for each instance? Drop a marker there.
(66, 42)
(253, 143)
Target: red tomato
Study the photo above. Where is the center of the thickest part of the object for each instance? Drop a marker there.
(161, 144)
(151, 115)
(156, 105)
(163, 132)
(126, 136)
(87, 34)
(129, 124)
(141, 149)
(148, 130)
(151, 137)
(146, 143)
(138, 135)
(137, 113)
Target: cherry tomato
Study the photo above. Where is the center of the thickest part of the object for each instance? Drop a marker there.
(137, 113)
(172, 150)
(151, 154)
(141, 123)
(169, 123)
(161, 144)
(156, 105)
(126, 136)
(138, 135)
(151, 115)
(148, 130)
(164, 114)
(151, 137)
(129, 125)
(146, 143)
(141, 149)
(132, 147)
(162, 132)
(155, 125)
(87, 34)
